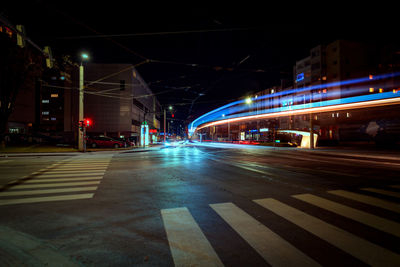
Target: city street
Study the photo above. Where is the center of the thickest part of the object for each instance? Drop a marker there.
(201, 204)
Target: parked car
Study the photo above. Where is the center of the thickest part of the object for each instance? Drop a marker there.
(126, 141)
(104, 141)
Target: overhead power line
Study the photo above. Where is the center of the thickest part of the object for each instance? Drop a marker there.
(151, 33)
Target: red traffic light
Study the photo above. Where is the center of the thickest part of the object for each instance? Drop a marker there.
(87, 122)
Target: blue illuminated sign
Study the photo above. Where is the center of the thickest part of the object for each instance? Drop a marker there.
(300, 77)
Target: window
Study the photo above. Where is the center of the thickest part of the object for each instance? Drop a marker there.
(371, 90)
(45, 113)
(54, 95)
(53, 119)
(45, 101)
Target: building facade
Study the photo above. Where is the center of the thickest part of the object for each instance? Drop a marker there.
(118, 101)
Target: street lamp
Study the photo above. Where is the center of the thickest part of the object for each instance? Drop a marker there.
(248, 100)
(170, 107)
(81, 139)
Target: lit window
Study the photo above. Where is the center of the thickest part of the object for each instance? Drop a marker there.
(371, 76)
(380, 90)
(394, 91)
(337, 115)
(45, 101)
(333, 115)
(371, 90)
(348, 115)
(45, 113)
(324, 91)
(324, 78)
(53, 119)
(54, 95)
(272, 91)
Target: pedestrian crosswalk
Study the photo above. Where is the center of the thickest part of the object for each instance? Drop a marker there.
(190, 247)
(70, 179)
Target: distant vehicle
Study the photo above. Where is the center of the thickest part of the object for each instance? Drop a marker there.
(103, 141)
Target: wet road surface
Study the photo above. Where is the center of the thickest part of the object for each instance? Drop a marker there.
(208, 205)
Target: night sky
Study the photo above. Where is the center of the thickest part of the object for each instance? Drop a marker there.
(218, 55)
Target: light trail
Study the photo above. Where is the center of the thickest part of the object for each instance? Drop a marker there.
(234, 111)
(310, 109)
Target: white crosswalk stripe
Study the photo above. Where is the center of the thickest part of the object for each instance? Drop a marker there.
(354, 214)
(373, 201)
(189, 246)
(58, 181)
(182, 230)
(383, 192)
(274, 249)
(357, 247)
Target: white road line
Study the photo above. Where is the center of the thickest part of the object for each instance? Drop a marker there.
(45, 199)
(97, 173)
(382, 224)
(383, 192)
(365, 251)
(83, 164)
(80, 169)
(70, 171)
(46, 191)
(34, 181)
(23, 186)
(373, 201)
(274, 249)
(189, 246)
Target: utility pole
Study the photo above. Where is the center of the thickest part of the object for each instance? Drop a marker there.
(165, 122)
(81, 133)
(311, 132)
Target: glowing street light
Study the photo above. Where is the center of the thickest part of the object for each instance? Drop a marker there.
(85, 56)
(170, 107)
(248, 100)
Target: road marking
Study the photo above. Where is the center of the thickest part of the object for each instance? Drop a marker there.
(354, 214)
(56, 171)
(34, 181)
(383, 192)
(368, 252)
(84, 165)
(189, 246)
(54, 185)
(274, 249)
(70, 175)
(46, 191)
(45, 199)
(79, 169)
(373, 201)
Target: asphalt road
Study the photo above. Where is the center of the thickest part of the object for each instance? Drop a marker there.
(202, 205)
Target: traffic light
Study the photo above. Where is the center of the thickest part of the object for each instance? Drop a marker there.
(81, 125)
(88, 122)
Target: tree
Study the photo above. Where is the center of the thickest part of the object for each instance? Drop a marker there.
(19, 70)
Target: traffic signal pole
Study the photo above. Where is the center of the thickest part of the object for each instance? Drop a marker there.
(165, 120)
(81, 133)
